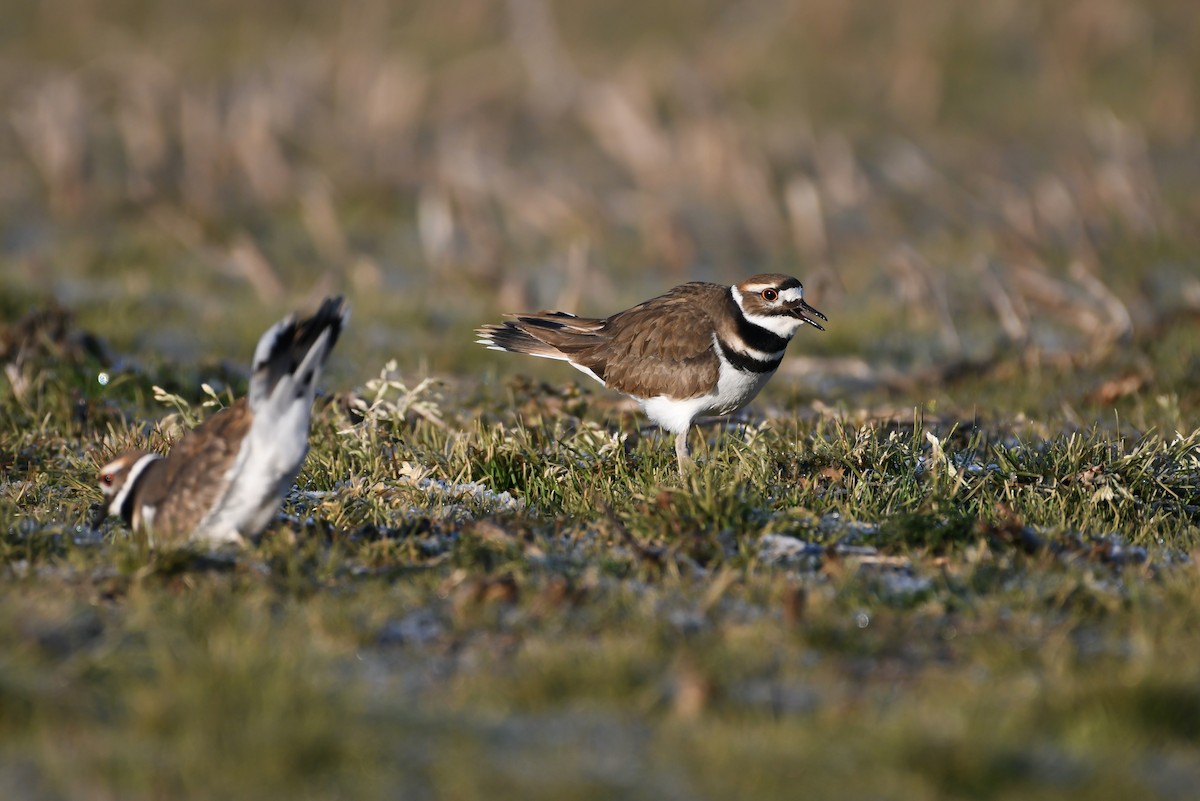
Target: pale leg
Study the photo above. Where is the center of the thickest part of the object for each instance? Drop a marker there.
(681, 451)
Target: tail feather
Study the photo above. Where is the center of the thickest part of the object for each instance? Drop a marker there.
(296, 351)
(514, 339)
(550, 334)
(561, 321)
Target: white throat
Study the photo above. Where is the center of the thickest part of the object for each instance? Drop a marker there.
(783, 325)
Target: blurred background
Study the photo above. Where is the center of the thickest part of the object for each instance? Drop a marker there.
(996, 189)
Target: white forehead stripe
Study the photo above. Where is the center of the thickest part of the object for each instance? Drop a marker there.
(792, 295)
(141, 464)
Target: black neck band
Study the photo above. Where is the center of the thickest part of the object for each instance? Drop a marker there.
(746, 363)
(755, 336)
(127, 505)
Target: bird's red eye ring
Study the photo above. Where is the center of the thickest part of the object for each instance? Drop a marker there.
(770, 294)
(106, 478)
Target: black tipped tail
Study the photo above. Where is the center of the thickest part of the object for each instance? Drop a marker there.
(514, 339)
(330, 317)
(288, 347)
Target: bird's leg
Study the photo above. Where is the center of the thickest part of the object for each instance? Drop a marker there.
(681, 452)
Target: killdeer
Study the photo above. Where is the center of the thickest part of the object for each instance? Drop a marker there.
(224, 480)
(701, 348)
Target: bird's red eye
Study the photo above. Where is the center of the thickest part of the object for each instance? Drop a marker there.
(769, 294)
(106, 478)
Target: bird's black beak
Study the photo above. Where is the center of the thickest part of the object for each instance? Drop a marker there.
(97, 513)
(801, 309)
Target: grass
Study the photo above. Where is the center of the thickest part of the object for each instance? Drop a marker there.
(948, 552)
(493, 606)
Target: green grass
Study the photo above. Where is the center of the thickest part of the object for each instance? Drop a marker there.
(962, 620)
(948, 553)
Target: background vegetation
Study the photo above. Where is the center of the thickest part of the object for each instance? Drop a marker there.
(948, 553)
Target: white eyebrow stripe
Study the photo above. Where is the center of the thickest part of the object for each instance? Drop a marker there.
(791, 293)
(111, 466)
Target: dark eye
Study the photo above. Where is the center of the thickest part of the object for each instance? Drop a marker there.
(106, 478)
(769, 294)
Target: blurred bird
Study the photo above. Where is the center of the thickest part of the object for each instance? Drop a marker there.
(224, 480)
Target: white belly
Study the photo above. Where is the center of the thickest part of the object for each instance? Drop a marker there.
(735, 388)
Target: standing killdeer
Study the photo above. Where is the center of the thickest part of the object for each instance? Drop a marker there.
(225, 479)
(699, 349)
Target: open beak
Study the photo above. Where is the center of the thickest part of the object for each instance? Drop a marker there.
(801, 309)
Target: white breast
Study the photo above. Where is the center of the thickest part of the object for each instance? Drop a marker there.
(735, 388)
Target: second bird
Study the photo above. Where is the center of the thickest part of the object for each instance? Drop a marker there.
(224, 481)
(700, 349)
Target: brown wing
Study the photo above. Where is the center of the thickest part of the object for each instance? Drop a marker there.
(661, 347)
(194, 478)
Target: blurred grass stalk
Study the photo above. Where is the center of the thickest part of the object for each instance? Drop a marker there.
(900, 156)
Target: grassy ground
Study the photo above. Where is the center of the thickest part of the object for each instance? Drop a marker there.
(947, 554)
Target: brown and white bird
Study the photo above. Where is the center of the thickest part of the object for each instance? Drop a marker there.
(700, 349)
(224, 480)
